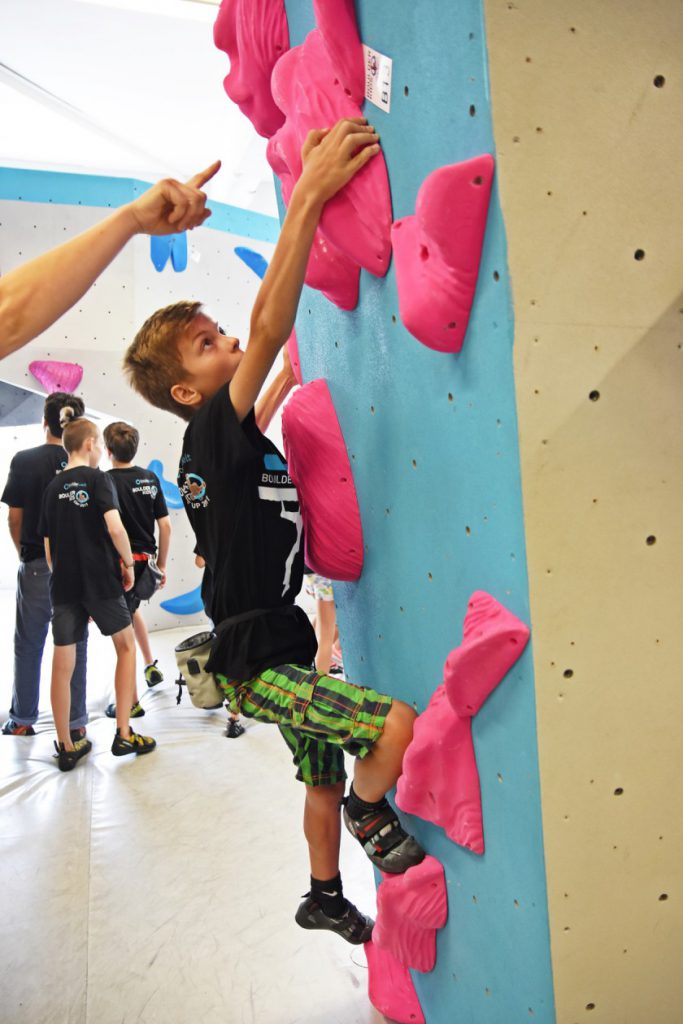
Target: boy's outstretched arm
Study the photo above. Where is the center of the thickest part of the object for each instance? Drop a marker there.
(330, 159)
(36, 294)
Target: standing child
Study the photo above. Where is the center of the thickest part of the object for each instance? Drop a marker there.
(244, 510)
(142, 505)
(83, 533)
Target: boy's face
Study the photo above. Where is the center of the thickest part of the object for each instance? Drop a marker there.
(210, 359)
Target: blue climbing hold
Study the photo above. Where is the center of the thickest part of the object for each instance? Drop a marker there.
(185, 604)
(254, 260)
(169, 488)
(163, 246)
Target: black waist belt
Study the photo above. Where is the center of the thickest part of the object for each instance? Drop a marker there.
(253, 614)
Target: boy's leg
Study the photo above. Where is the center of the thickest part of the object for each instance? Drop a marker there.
(142, 637)
(376, 773)
(63, 662)
(79, 710)
(32, 621)
(322, 828)
(124, 678)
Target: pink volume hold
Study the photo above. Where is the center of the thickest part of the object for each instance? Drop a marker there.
(56, 376)
(390, 987)
(410, 907)
(254, 34)
(440, 780)
(438, 249)
(319, 466)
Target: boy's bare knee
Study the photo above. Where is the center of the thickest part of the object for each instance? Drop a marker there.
(325, 797)
(399, 722)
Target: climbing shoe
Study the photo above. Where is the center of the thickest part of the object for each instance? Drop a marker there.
(353, 926)
(135, 744)
(137, 710)
(234, 729)
(12, 728)
(384, 839)
(68, 759)
(153, 675)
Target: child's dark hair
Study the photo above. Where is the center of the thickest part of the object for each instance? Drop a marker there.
(122, 440)
(54, 404)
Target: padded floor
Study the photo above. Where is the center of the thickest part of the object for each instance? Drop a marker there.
(163, 888)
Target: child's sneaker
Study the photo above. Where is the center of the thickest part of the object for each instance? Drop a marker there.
(68, 759)
(137, 710)
(153, 675)
(234, 729)
(384, 839)
(12, 728)
(135, 744)
(353, 926)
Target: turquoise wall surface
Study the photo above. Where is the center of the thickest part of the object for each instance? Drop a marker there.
(433, 445)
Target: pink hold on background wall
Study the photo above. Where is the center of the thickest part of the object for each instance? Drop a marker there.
(437, 252)
(390, 987)
(319, 466)
(56, 376)
(254, 34)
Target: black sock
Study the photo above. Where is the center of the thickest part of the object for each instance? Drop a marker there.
(329, 895)
(357, 808)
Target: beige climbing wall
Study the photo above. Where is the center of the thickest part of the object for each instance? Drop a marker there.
(587, 102)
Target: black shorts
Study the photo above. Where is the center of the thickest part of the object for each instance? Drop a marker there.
(70, 621)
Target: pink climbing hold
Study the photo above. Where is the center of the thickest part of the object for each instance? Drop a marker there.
(254, 34)
(315, 85)
(438, 249)
(410, 907)
(440, 780)
(320, 468)
(493, 640)
(390, 987)
(293, 353)
(56, 376)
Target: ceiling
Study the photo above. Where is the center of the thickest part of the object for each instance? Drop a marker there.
(130, 88)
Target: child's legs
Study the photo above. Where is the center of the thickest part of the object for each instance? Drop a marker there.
(379, 770)
(124, 677)
(322, 828)
(325, 623)
(63, 662)
(142, 637)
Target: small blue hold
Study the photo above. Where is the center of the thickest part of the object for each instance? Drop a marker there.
(254, 260)
(168, 488)
(163, 246)
(185, 604)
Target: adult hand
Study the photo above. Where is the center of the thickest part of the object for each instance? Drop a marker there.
(332, 156)
(170, 207)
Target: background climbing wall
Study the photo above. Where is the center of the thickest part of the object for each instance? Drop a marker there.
(433, 446)
(39, 210)
(587, 104)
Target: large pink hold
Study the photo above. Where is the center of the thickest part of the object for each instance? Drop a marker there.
(410, 907)
(390, 987)
(493, 640)
(315, 85)
(440, 780)
(254, 34)
(328, 269)
(56, 376)
(319, 466)
(437, 252)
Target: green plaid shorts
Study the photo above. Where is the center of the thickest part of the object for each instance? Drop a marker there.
(319, 717)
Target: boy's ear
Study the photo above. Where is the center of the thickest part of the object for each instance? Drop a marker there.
(185, 394)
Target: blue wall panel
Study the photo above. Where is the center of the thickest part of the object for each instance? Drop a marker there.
(434, 451)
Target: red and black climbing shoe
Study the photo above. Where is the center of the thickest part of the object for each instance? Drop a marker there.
(384, 839)
(353, 926)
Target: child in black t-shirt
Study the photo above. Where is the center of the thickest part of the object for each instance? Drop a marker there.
(244, 510)
(142, 505)
(84, 538)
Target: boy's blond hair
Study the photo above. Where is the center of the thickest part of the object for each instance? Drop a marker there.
(152, 362)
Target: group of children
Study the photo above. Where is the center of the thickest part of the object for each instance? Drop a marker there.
(244, 510)
(87, 544)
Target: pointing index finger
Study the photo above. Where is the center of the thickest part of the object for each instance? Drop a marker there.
(200, 179)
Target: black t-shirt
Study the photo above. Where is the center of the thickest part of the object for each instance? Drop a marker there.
(245, 514)
(30, 472)
(142, 502)
(85, 563)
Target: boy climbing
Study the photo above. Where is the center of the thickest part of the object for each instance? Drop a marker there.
(244, 510)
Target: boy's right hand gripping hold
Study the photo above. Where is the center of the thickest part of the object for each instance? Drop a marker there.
(331, 157)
